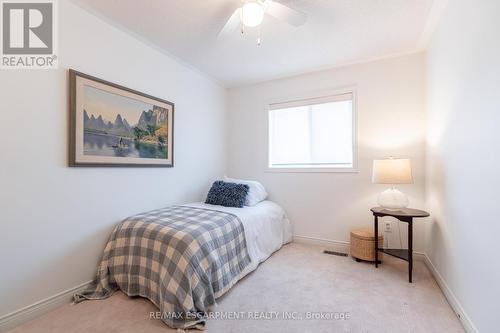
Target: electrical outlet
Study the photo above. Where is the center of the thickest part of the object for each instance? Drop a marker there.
(388, 227)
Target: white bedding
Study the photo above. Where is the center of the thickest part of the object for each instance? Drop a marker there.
(266, 227)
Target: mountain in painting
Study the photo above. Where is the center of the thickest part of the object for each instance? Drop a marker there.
(119, 127)
(155, 117)
(152, 126)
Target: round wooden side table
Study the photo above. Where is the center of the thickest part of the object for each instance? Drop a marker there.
(404, 215)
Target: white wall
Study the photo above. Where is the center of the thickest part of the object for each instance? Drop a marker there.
(55, 219)
(391, 121)
(463, 65)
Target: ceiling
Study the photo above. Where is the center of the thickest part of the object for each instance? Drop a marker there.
(337, 32)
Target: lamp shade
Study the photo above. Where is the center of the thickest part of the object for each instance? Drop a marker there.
(392, 171)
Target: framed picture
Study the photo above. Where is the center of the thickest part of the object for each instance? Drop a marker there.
(111, 125)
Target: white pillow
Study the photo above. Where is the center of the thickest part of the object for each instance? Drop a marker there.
(256, 192)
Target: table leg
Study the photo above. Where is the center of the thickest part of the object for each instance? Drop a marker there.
(410, 250)
(376, 240)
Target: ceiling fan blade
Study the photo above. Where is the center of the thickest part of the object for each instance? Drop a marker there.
(284, 13)
(232, 25)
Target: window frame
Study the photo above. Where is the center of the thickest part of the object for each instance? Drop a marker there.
(314, 97)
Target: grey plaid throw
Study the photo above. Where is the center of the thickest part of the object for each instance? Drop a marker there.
(180, 258)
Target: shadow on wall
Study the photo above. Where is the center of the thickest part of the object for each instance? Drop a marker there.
(70, 261)
(437, 201)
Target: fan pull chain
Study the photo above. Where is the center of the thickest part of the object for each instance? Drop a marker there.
(242, 26)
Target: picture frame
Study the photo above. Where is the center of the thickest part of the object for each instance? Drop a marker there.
(115, 126)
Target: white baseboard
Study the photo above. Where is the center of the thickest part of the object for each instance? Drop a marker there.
(450, 296)
(34, 310)
(336, 245)
(37, 309)
(339, 246)
(344, 246)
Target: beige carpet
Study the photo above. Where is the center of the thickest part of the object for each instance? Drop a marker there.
(296, 280)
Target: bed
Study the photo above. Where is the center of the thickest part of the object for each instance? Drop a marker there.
(182, 258)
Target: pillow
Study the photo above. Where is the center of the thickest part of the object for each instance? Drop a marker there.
(227, 194)
(256, 193)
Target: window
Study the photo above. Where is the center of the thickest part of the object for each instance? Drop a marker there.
(314, 134)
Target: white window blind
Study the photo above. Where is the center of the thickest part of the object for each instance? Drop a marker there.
(312, 133)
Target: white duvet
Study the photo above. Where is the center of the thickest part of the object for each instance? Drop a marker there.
(266, 227)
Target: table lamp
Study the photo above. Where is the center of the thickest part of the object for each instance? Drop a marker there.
(392, 171)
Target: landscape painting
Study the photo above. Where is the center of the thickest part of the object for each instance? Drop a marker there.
(117, 126)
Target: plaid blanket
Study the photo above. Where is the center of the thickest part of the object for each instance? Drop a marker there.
(180, 258)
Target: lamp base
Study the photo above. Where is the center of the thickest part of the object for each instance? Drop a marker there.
(393, 198)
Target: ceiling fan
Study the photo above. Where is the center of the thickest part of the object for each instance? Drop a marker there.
(251, 14)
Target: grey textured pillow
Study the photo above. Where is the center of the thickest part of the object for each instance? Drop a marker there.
(256, 191)
(227, 194)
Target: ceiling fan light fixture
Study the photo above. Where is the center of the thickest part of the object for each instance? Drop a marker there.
(252, 14)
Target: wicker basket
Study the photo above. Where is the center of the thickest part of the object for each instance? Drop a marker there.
(363, 244)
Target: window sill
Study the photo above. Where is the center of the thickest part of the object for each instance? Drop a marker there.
(311, 170)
